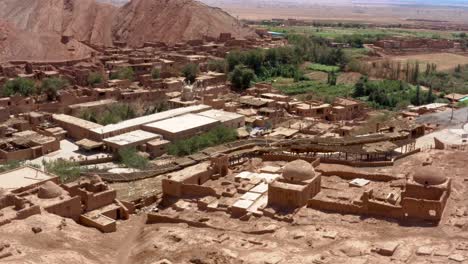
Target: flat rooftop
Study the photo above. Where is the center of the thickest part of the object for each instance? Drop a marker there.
(220, 115)
(131, 138)
(139, 121)
(76, 121)
(23, 177)
(182, 123)
(93, 103)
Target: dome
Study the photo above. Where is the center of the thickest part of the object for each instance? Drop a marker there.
(298, 170)
(95, 179)
(429, 175)
(49, 190)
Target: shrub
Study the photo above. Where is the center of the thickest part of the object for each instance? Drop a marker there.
(125, 73)
(242, 77)
(10, 165)
(323, 68)
(51, 86)
(95, 78)
(217, 66)
(110, 115)
(190, 72)
(131, 159)
(21, 86)
(67, 171)
(214, 137)
(156, 73)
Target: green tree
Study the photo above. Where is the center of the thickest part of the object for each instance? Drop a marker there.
(156, 73)
(242, 77)
(190, 72)
(359, 87)
(67, 171)
(132, 159)
(217, 66)
(95, 78)
(21, 86)
(125, 73)
(418, 95)
(51, 86)
(331, 78)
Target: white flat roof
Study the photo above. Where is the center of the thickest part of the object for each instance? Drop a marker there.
(22, 177)
(132, 137)
(221, 115)
(76, 121)
(150, 118)
(182, 123)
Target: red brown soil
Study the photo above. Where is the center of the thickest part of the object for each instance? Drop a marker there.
(315, 237)
(140, 21)
(173, 21)
(16, 44)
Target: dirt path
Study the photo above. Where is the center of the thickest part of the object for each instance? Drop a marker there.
(124, 251)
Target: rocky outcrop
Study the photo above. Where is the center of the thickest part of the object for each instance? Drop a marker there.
(173, 21)
(99, 24)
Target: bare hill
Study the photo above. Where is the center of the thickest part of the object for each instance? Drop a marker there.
(172, 21)
(17, 44)
(96, 23)
(84, 20)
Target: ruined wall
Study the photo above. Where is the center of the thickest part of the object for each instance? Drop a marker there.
(422, 192)
(70, 208)
(176, 188)
(422, 209)
(351, 175)
(22, 154)
(191, 190)
(285, 157)
(335, 207)
(358, 163)
(27, 212)
(111, 226)
(95, 201)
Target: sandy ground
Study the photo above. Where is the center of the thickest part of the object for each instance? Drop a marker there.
(338, 11)
(314, 237)
(444, 61)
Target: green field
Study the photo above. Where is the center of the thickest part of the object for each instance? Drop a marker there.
(323, 68)
(337, 32)
(322, 90)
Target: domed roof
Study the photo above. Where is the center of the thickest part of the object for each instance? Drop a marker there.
(49, 190)
(298, 170)
(429, 175)
(95, 179)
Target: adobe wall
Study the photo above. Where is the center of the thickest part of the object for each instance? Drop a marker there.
(96, 160)
(358, 163)
(95, 201)
(110, 227)
(285, 157)
(27, 212)
(70, 208)
(22, 154)
(192, 190)
(172, 188)
(418, 208)
(351, 175)
(335, 207)
(423, 192)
